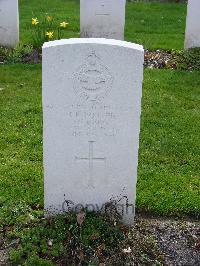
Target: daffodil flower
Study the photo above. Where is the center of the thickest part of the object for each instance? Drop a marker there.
(35, 21)
(49, 18)
(64, 24)
(49, 34)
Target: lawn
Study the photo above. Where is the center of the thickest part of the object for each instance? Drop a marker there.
(169, 161)
(156, 26)
(169, 157)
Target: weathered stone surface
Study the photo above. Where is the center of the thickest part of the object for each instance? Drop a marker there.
(102, 19)
(92, 92)
(192, 35)
(9, 22)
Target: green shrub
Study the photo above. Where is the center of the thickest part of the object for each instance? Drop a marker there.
(189, 59)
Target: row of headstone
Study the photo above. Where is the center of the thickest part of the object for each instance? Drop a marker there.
(91, 115)
(106, 19)
(91, 112)
(98, 19)
(9, 23)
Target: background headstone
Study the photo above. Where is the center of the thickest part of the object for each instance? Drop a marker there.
(102, 19)
(92, 92)
(9, 22)
(192, 35)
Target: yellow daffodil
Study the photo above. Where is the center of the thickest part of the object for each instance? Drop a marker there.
(49, 34)
(35, 21)
(64, 24)
(49, 18)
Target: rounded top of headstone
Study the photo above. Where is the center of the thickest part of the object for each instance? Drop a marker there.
(111, 42)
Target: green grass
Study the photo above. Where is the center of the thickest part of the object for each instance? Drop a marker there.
(169, 158)
(68, 239)
(154, 25)
(169, 167)
(21, 134)
(169, 162)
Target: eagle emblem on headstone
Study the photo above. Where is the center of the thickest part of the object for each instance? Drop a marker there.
(92, 80)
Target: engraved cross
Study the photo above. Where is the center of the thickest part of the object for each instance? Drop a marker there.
(91, 160)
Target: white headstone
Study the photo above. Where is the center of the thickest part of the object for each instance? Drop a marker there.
(192, 35)
(92, 92)
(9, 22)
(102, 19)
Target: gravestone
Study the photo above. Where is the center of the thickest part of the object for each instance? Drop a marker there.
(102, 19)
(192, 35)
(92, 92)
(9, 22)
